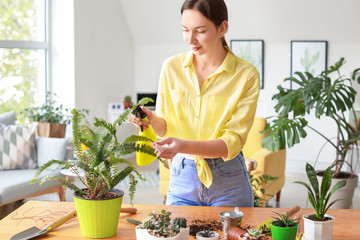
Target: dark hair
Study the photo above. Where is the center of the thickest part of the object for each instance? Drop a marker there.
(214, 10)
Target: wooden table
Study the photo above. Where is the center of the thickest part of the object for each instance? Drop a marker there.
(40, 213)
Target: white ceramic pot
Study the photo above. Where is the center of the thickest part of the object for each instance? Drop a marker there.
(318, 230)
(200, 237)
(142, 234)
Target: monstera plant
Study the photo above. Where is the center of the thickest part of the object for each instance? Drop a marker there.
(329, 95)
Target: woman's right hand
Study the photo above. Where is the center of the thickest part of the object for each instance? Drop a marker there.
(137, 121)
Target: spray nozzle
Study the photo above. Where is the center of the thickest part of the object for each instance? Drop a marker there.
(139, 113)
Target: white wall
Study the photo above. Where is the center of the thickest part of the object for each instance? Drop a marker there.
(120, 46)
(62, 51)
(104, 55)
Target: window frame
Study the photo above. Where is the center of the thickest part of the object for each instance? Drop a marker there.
(36, 45)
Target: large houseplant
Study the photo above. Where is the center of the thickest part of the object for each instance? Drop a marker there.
(51, 117)
(318, 96)
(319, 225)
(98, 155)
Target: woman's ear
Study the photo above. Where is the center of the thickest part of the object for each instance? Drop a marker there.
(222, 29)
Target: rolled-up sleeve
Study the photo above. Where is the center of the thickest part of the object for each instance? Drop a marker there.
(234, 132)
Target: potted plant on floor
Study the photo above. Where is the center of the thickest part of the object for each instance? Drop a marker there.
(160, 226)
(284, 227)
(318, 96)
(99, 154)
(319, 225)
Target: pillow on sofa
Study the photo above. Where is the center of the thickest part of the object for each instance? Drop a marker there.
(8, 118)
(50, 148)
(17, 147)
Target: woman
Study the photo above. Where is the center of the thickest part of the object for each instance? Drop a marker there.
(205, 107)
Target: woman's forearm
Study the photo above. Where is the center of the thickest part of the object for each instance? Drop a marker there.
(206, 148)
(159, 125)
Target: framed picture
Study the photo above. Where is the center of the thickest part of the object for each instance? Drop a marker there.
(251, 51)
(308, 56)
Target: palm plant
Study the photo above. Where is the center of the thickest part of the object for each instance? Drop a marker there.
(321, 96)
(319, 197)
(98, 154)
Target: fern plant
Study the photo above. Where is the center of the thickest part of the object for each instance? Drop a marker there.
(256, 184)
(98, 155)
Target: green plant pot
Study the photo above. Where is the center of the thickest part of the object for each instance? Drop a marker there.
(284, 233)
(98, 218)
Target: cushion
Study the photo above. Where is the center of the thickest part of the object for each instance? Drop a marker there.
(17, 147)
(50, 148)
(8, 118)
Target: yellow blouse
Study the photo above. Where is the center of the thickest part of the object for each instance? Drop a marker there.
(223, 108)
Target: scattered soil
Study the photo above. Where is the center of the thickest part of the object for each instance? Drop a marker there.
(198, 225)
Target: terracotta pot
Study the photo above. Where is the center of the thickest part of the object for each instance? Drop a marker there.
(317, 230)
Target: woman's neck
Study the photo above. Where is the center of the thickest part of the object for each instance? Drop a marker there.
(207, 64)
(210, 60)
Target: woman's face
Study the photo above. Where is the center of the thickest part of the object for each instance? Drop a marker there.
(200, 33)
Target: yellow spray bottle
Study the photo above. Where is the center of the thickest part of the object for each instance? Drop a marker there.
(143, 159)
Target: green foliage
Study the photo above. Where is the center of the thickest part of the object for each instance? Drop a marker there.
(256, 184)
(160, 225)
(98, 153)
(283, 220)
(127, 99)
(319, 197)
(320, 96)
(49, 112)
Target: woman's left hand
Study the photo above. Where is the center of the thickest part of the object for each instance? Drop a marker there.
(168, 147)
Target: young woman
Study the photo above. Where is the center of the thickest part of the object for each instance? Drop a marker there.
(205, 107)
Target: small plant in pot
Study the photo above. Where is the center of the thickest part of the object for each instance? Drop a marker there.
(99, 154)
(207, 234)
(329, 95)
(51, 117)
(284, 227)
(319, 225)
(160, 226)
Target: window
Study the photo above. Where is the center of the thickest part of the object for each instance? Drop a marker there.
(23, 54)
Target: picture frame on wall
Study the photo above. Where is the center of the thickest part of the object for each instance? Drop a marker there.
(251, 51)
(308, 56)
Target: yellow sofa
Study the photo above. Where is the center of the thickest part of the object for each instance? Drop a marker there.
(269, 163)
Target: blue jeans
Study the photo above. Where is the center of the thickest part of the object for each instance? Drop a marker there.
(230, 187)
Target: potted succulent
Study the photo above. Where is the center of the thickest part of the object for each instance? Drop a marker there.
(51, 117)
(127, 102)
(207, 234)
(98, 155)
(319, 225)
(284, 227)
(318, 96)
(160, 226)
